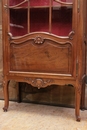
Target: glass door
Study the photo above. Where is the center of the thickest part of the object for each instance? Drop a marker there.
(54, 17)
(50, 16)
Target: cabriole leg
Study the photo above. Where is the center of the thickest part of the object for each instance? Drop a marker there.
(6, 95)
(83, 97)
(77, 101)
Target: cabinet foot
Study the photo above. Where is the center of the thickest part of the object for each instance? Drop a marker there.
(5, 109)
(82, 109)
(78, 118)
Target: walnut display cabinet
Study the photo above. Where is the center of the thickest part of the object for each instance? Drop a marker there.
(44, 44)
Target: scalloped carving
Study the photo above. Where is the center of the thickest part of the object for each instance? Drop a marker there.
(64, 3)
(14, 6)
(71, 34)
(38, 82)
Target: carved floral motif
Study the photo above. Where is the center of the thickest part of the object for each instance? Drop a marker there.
(38, 82)
(38, 40)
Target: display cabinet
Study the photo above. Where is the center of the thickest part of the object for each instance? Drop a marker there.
(44, 44)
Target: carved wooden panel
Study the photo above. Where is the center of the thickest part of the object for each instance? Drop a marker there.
(41, 55)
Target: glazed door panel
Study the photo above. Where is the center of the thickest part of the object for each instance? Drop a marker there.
(51, 16)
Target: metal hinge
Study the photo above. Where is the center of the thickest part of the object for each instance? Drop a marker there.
(77, 68)
(78, 5)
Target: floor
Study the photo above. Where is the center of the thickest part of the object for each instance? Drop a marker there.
(26, 116)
